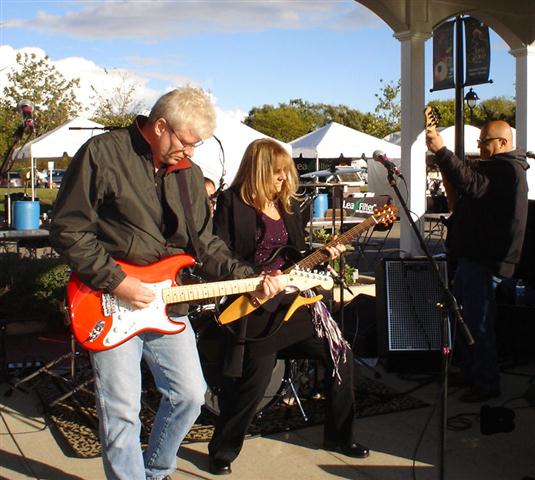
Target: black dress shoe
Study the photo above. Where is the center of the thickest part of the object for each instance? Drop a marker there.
(355, 450)
(477, 394)
(219, 467)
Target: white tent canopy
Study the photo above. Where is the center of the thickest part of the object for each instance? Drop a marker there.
(234, 137)
(334, 139)
(60, 140)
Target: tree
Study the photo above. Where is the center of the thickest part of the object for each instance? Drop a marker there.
(39, 81)
(298, 117)
(496, 108)
(285, 122)
(120, 108)
(387, 111)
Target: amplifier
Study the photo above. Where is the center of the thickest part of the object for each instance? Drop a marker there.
(408, 317)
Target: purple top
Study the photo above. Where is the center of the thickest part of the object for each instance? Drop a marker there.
(270, 235)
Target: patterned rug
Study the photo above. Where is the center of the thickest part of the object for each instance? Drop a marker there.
(75, 418)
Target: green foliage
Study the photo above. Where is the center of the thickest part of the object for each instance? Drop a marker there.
(387, 110)
(284, 122)
(323, 236)
(32, 289)
(291, 120)
(39, 81)
(496, 108)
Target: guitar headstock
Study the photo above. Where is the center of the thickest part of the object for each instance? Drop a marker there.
(385, 215)
(431, 117)
(304, 279)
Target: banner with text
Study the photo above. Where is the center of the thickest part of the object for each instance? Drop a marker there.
(477, 52)
(443, 57)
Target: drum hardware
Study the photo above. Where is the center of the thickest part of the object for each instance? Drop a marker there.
(72, 383)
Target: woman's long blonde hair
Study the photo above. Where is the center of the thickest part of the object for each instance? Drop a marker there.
(255, 176)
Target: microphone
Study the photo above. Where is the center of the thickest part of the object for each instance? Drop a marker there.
(381, 157)
(530, 155)
(26, 107)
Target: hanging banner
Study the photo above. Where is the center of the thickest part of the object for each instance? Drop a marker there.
(443, 57)
(477, 52)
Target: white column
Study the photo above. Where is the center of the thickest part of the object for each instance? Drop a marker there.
(412, 123)
(525, 106)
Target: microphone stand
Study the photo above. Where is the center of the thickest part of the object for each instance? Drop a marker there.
(447, 305)
(336, 187)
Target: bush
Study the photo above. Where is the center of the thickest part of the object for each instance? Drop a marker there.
(33, 289)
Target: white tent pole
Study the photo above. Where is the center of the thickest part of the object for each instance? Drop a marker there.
(32, 175)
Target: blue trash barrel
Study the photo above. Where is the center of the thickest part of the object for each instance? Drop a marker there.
(26, 215)
(320, 205)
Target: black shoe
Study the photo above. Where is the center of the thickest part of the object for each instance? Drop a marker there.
(477, 394)
(355, 450)
(219, 467)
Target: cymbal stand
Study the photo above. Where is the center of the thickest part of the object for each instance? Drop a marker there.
(48, 370)
(289, 382)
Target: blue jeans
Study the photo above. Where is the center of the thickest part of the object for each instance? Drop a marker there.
(474, 287)
(174, 363)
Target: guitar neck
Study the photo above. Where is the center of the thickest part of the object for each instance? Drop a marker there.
(321, 255)
(452, 195)
(201, 291)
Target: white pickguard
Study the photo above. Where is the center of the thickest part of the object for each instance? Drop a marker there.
(128, 321)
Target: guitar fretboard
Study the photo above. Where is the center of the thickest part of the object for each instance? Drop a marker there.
(320, 255)
(188, 293)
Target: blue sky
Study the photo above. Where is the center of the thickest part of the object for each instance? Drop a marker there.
(246, 52)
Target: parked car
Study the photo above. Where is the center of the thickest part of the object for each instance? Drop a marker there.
(57, 177)
(11, 179)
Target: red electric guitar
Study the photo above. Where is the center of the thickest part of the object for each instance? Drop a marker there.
(101, 321)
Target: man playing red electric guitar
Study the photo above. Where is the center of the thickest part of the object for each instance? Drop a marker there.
(133, 195)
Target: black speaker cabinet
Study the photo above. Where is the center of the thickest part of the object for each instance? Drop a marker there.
(408, 291)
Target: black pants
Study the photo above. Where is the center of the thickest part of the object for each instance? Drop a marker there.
(240, 397)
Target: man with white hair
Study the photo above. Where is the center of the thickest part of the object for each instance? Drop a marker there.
(134, 195)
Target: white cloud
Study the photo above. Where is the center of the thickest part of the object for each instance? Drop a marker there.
(165, 18)
(97, 80)
(94, 79)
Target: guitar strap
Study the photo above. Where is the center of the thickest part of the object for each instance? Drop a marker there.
(188, 212)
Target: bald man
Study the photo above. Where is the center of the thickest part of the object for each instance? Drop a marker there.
(485, 237)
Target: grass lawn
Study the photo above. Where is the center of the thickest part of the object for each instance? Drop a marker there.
(45, 196)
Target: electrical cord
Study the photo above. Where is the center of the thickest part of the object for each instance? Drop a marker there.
(13, 438)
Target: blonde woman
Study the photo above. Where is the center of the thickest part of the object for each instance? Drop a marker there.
(258, 217)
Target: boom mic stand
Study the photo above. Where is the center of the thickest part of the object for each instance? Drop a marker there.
(448, 304)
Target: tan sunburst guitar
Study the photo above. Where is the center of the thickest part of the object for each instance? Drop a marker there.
(100, 321)
(432, 117)
(245, 304)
